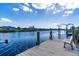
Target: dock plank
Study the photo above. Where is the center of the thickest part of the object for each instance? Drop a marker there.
(49, 48)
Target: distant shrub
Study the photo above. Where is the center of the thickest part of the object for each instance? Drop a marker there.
(76, 36)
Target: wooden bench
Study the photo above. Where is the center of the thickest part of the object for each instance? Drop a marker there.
(69, 41)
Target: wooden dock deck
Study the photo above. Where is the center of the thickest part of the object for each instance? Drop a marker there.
(49, 48)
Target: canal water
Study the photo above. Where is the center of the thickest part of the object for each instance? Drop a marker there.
(21, 41)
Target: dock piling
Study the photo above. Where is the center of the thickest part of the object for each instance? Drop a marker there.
(50, 37)
(38, 38)
(6, 41)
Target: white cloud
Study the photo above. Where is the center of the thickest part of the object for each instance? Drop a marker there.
(5, 20)
(25, 8)
(30, 10)
(41, 5)
(55, 10)
(26, 4)
(67, 13)
(16, 9)
(53, 6)
(69, 4)
(64, 6)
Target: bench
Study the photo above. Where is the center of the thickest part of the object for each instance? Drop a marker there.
(69, 41)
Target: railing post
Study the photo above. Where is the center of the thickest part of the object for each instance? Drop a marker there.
(73, 32)
(38, 38)
(66, 31)
(50, 37)
(59, 32)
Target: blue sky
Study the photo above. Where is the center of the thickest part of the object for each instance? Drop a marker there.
(38, 14)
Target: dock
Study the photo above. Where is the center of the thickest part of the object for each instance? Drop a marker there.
(50, 48)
